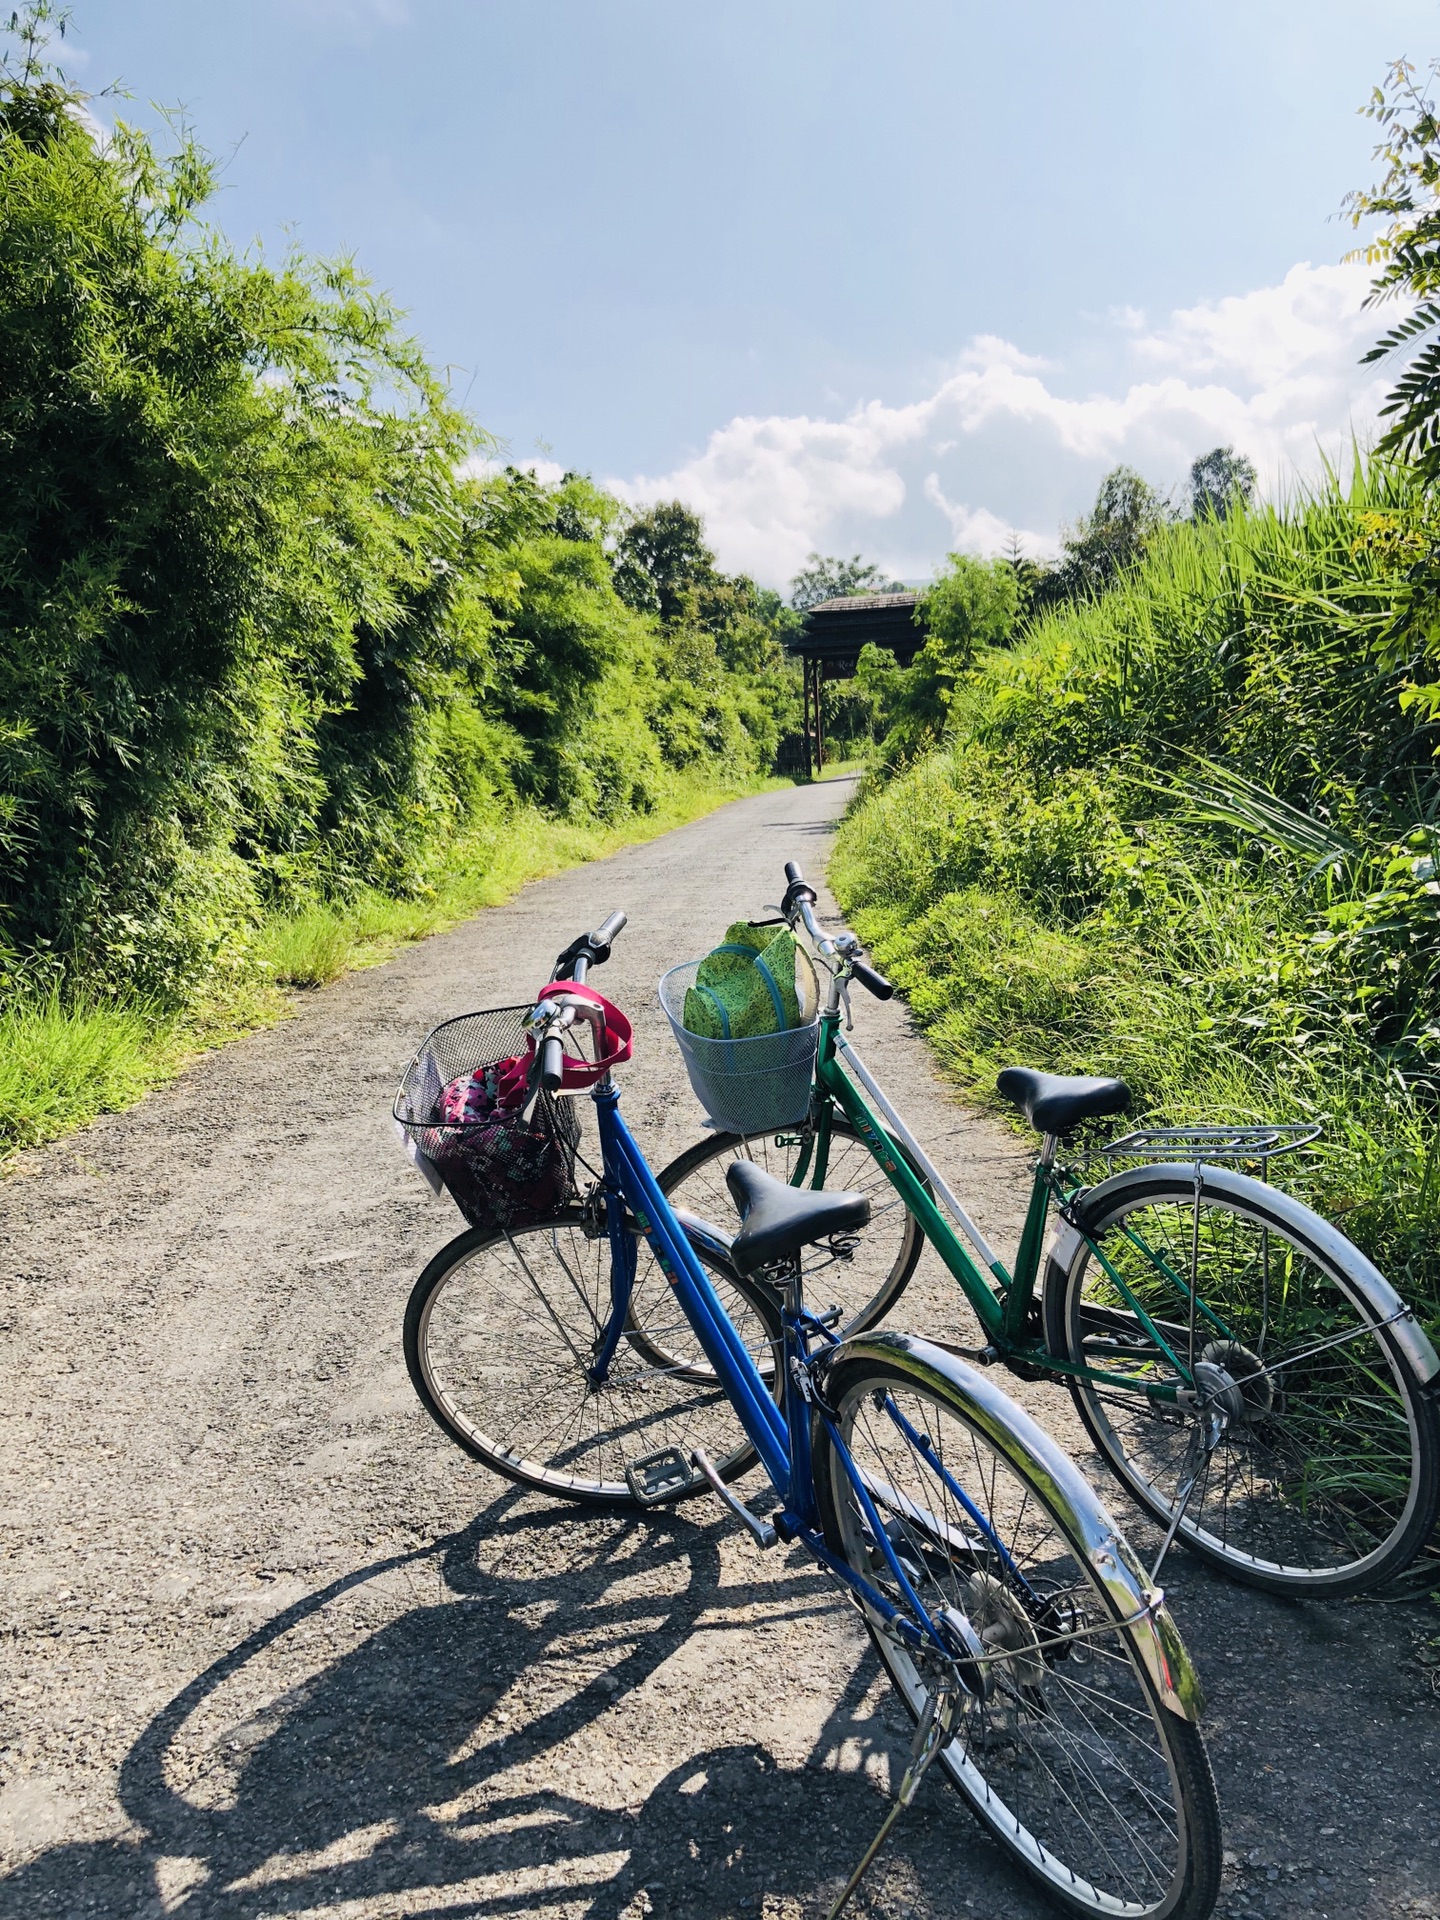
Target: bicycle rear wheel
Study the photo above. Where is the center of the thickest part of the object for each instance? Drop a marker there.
(1326, 1478)
(857, 1292)
(500, 1331)
(1063, 1745)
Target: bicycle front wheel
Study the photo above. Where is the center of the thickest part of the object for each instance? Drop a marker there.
(1062, 1744)
(500, 1333)
(854, 1293)
(1326, 1477)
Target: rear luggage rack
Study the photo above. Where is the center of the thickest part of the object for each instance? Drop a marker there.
(1263, 1142)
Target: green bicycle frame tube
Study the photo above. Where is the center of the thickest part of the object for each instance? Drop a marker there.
(1001, 1301)
(832, 1078)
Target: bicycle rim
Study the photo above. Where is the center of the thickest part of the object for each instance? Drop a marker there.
(499, 1336)
(1072, 1763)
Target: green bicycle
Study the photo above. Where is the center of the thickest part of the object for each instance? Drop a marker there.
(1252, 1379)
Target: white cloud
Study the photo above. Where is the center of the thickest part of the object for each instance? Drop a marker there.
(1273, 373)
(977, 530)
(480, 466)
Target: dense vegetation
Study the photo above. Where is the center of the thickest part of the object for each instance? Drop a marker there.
(264, 646)
(1185, 826)
(1189, 831)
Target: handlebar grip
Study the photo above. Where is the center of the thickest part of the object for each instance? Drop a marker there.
(872, 981)
(792, 872)
(552, 1063)
(588, 950)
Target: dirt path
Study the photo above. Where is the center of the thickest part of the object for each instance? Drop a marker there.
(274, 1647)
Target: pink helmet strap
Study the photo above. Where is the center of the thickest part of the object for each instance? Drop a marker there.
(615, 1039)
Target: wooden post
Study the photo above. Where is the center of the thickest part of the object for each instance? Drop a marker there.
(819, 717)
(805, 728)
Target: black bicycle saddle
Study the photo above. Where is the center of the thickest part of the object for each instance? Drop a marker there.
(779, 1220)
(1058, 1102)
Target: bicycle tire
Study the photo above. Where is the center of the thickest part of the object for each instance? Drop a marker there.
(1093, 1781)
(1328, 1483)
(871, 1282)
(502, 1370)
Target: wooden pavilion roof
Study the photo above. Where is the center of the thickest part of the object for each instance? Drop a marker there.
(836, 630)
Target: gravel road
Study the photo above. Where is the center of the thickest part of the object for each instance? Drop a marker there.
(274, 1647)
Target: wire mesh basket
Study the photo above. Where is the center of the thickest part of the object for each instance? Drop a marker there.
(745, 1086)
(465, 1110)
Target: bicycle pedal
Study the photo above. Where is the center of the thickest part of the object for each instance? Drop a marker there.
(660, 1476)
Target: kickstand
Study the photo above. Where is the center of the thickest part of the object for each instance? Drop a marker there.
(932, 1733)
(1204, 1438)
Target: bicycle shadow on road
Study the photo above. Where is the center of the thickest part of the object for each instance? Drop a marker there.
(368, 1741)
(732, 1831)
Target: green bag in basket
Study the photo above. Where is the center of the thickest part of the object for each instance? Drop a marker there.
(746, 987)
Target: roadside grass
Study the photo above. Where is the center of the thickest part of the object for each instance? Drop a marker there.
(991, 986)
(1187, 832)
(65, 1059)
(61, 1062)
(324, 940)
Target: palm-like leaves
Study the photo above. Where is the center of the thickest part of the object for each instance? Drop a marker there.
(1407, 254)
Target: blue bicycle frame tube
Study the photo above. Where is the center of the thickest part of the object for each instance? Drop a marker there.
(735, 1370)
(922, 1446)
(782, 1440)
(877, 1528)
(800, 1507)
(622, 1285)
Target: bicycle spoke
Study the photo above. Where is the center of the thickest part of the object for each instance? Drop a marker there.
(507, 1344)
(1063, 1756)
(1315, 1476)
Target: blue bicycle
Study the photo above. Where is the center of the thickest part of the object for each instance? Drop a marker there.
(585, 1339)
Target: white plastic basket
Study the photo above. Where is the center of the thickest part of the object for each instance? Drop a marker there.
(745, 1086)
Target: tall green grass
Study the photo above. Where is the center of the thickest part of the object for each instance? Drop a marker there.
(61, 1063)
(1188, 833)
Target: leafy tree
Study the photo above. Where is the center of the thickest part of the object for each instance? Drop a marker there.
(258, 639)
(826, 578)
(236, 569)
(1107, 541)
(663, 566)
(661, 558)
(971, 604)
(1220, 481)
(1407, 255)
(604, 695)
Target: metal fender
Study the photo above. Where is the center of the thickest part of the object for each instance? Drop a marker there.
(707, 1237)
(1379, 1297)
(1089, 1528)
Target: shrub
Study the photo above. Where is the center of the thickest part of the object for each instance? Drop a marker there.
(1189, 831)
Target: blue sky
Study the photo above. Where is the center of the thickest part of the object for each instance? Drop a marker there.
(844, 276)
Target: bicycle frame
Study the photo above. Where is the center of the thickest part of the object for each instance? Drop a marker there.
(1002, 1301)
(780, 1435)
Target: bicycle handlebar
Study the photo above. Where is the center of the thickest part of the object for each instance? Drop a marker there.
(799, 904)
(589, 950)
(872, 981)
(552, 1063)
